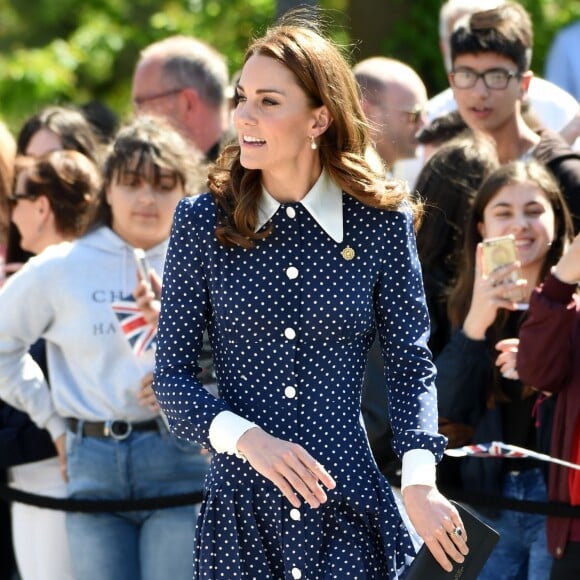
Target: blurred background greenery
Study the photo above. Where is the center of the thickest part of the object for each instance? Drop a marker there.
(66, 51)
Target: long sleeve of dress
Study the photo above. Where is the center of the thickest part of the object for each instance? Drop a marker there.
(403, 323)
(259, 310)
(190, 408)
(546, 351)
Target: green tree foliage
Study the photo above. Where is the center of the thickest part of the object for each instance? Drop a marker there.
(60, 51)
(55, 51)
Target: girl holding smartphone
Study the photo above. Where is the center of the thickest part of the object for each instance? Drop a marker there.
(520, 199)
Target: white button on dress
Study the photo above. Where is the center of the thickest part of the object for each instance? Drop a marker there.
(291, 212)
(292, 273)
(296, 573)
(295, 514)
(290, 333)
(290, 392)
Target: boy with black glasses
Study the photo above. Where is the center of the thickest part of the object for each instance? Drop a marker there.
(491, 53)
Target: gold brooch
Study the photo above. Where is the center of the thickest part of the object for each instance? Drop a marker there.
(347, 253)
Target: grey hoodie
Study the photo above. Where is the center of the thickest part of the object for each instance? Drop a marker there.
(65, 296)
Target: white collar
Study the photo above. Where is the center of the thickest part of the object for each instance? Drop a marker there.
(323, 202)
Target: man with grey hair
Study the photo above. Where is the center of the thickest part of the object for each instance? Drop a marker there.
(553, 107)
(184, 80)
(393, 99)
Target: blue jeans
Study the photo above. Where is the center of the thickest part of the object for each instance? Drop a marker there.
(522, 550)
(133, 545)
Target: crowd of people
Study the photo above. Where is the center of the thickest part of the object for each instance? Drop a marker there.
(273, 286)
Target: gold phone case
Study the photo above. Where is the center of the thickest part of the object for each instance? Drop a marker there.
(498, 252)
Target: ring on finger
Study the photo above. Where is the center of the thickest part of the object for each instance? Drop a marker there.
(458, 532)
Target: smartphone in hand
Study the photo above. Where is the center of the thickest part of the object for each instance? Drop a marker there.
(142, 266)
(502, 251)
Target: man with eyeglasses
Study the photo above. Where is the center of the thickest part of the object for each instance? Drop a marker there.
(185, 81)
(555, 108)
(490, 76)
(393, 99)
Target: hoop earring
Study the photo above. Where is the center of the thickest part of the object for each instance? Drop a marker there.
(313, 144)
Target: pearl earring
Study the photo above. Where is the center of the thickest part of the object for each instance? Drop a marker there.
(313, 144)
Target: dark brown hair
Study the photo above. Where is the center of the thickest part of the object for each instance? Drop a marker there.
(69, 125)
(69, 180)
(505, 30)
(442, 129)
(74, 131)
(447, 184)
(144, 146)
(325, 76)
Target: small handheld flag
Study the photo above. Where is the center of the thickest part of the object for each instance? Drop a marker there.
(499, 449)
(140, 334)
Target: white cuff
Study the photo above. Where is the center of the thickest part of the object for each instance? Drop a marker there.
(418, 468)
(225, 431)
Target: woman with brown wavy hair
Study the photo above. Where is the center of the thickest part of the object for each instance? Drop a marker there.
(295, 257)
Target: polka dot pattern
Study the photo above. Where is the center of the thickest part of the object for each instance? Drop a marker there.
(291, 322)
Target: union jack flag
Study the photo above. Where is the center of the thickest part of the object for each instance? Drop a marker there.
(499, 449)
(493, 449)
(137, 331)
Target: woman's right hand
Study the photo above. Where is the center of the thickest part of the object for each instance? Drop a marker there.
(146, 396)
(287, 465)
(490, 292)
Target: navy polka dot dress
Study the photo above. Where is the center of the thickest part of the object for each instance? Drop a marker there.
(291, 322)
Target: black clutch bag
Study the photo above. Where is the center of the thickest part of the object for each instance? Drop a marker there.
(481, 540)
